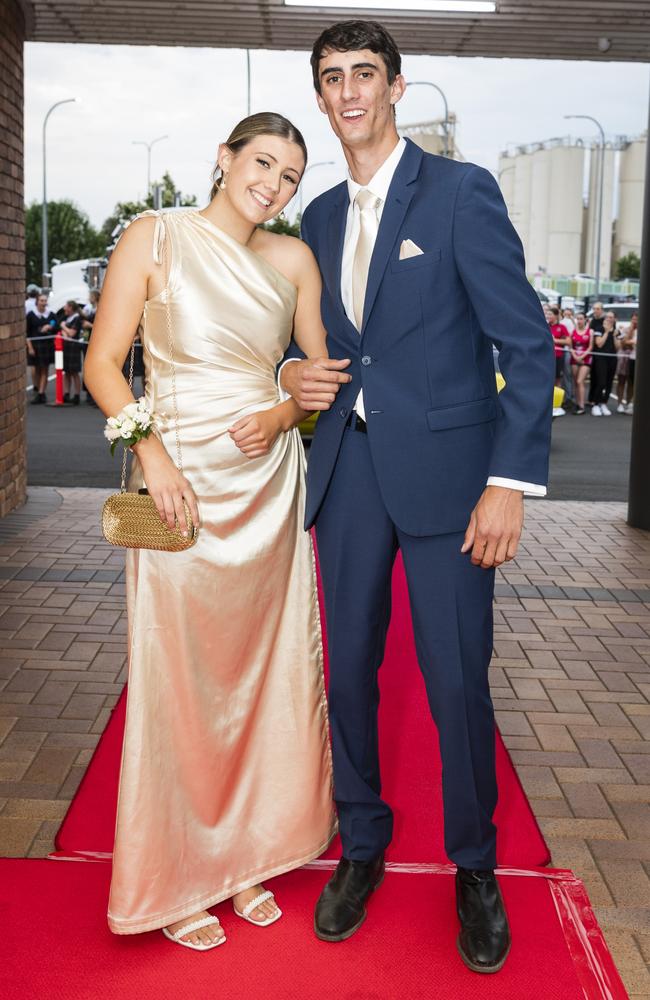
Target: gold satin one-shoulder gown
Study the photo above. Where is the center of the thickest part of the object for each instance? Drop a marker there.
(226, 767)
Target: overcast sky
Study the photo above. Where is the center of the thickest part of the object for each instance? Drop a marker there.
(195, 96)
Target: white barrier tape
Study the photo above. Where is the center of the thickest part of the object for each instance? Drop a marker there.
(604, 354)
(138, 346)
(69, 340)
(53, 336)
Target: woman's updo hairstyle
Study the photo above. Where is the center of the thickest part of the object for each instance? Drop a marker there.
(264, 123)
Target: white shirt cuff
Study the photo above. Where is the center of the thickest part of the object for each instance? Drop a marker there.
(529, 489)
(284, 396)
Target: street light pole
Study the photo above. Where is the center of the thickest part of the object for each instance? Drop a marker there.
(601, 185)
(45, 248)
(141, 142)
(428, 83)
(321, 163)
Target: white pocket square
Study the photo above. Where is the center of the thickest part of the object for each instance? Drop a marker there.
(409, 249)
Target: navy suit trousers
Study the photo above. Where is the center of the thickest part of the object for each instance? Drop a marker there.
(451, 607)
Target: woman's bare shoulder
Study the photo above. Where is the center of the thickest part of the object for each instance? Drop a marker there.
(289, 254)
(139, 231)
(135, 247)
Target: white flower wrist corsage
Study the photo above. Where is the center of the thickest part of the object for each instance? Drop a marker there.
(132, 424)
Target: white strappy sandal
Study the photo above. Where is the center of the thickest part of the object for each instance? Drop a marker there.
(254, 903)
(195, 925)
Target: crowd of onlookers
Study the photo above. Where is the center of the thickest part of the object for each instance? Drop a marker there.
(590, 352)
(75, 327)
(75, 324)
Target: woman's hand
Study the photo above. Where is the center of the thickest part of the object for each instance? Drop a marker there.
(256, 434)
(166, 484)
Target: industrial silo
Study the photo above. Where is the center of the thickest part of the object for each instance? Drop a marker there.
(589, 263)
(506, 177)
(520, 214)
(540, 196)
(630, 204)
(565, 208)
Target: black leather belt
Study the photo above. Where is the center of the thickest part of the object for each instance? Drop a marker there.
(356, 423)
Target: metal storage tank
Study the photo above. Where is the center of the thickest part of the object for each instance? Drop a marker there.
(565, 209)
(430, 136)
(540, 196)
(589, 263)
(506, 178)
(630, 205)
(521, 203)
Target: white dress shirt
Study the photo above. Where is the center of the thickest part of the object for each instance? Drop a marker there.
(379, 185)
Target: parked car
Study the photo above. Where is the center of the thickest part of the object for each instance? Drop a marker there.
(623, 310)
(548, 295)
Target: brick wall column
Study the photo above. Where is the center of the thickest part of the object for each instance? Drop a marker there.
(13, 476)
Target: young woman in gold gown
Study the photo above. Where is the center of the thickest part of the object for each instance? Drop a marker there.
(226, 771)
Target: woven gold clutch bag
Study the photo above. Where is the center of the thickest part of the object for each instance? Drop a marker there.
(131, 520)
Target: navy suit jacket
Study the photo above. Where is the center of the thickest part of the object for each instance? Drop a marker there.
(436, 426)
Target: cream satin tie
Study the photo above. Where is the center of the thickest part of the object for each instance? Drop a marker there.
(368, 203)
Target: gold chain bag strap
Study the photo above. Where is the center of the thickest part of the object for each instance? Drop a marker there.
(131, 519)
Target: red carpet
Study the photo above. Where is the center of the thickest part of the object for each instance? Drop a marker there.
(56, 944)
(410, 771)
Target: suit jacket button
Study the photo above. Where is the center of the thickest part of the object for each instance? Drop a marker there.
(343, 412)
(365, 360)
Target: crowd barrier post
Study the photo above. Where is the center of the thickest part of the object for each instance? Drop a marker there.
(58, 367)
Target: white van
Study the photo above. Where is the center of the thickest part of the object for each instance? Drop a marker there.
(70, 281)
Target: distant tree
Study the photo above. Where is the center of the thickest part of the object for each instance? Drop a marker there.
(284, 226)
(71, 236)
(628, 266)
(125, 210)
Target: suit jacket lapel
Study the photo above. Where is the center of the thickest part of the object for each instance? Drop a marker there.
(399, 197)
(334, 248)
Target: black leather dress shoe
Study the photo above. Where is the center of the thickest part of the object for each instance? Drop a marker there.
(341, 908)
(484, 939)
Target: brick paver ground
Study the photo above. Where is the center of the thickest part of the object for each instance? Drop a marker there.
(570, 680)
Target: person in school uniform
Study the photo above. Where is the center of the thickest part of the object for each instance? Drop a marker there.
(71, 331)
(41, 326)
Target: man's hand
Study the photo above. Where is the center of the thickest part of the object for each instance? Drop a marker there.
(495, 527)
(314, 382)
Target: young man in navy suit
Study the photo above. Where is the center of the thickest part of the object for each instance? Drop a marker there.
(422, 274)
